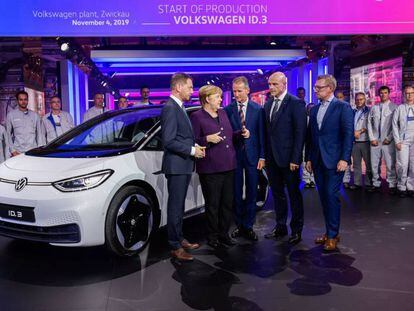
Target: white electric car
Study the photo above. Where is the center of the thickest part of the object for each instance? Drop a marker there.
(99, 183)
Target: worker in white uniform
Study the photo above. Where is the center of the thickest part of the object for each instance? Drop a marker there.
(145, 101)
(382, 142)
(97, 109)
(103, 132)
(361, 147)
(23, 127)
(403, 131)
(4, 145)
(57, 121)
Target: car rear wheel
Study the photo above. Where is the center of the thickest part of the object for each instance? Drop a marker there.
(131, 219)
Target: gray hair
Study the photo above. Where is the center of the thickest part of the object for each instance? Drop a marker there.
(329, 79)
(241, 79)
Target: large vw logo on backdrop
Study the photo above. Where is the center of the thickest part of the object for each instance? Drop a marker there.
(20, 184)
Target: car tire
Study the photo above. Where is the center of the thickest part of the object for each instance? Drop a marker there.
(262, 190)
(130, 222)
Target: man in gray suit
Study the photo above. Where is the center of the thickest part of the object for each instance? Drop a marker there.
(382, 143)
(361, 149)
(178, 161)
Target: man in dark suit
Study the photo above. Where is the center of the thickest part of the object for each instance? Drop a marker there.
(328, 153)
(246, 114)
(286, 131)
(178, 160)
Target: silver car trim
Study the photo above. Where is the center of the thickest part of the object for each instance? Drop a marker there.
(9, 181)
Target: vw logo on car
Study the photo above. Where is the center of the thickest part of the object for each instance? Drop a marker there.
(20, 184)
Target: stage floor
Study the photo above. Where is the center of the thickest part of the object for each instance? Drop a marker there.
(373, 270)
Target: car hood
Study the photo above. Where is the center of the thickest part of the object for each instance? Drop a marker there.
(46, 169)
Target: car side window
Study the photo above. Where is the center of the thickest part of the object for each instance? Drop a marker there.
(142, 127)
(155, 143)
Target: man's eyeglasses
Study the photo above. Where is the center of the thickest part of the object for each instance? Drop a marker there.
(319, 87)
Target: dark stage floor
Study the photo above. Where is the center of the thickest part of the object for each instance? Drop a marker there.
(374, 269)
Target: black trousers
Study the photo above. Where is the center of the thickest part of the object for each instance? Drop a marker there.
(177, 191)
(278, 178)
(218, 195)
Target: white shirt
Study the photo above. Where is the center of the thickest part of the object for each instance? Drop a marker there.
(322, 110)
(138, 104)
(280, 100)
(356, 117)
(178, 101)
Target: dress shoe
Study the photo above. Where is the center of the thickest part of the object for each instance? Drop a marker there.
(354, 187)
(374, 189)
(312, 184)
(322, 239)
(295, 238)
(250, 235)
(237, 233)
(181, 254)
(346, 185)
(228, 241)
(392, 190)
(187, 245)
(330, 245)
(277, 232)
(213, 243)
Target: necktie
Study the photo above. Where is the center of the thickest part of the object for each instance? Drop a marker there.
(241, 114)
(275, 107)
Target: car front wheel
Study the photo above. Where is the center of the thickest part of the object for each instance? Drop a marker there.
(130, 221)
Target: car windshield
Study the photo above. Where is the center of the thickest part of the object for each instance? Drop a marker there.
(118, 130)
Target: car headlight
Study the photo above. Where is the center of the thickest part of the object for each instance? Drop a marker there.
(83, 182)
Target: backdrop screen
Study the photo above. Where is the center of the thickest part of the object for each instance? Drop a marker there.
(207, 17)
(370, 78)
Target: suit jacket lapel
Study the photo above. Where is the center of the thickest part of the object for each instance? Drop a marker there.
(329, 111)
(236, 114)
(282, 107)
(185, 115)
(249, 112)
(267, 108)
(315, 115)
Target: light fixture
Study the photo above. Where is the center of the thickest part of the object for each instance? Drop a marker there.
(64, 47)
(259, 71)
(273, 43)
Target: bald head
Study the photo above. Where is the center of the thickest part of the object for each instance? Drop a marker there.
(277, 83)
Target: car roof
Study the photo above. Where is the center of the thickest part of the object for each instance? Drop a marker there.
(111, 113)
